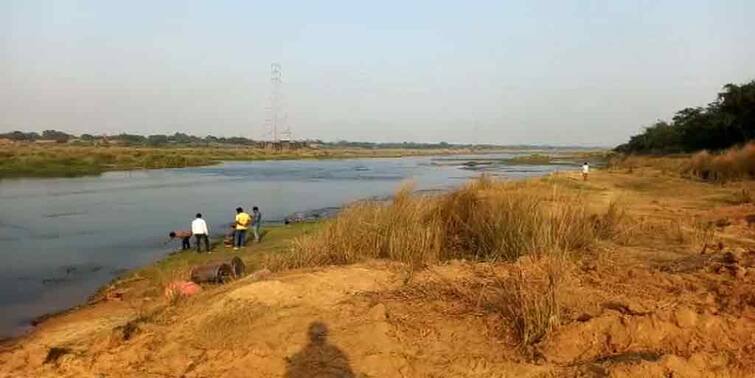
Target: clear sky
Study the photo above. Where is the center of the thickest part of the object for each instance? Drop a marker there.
(504, 72)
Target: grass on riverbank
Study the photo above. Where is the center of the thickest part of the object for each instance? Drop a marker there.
(70, 161)
(177, 266)
(484, 220)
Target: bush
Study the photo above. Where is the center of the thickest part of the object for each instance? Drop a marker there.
(733, 164)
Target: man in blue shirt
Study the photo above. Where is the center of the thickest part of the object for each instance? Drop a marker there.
(256, 223)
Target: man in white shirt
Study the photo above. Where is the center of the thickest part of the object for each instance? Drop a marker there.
(585, 171)
(199, 229)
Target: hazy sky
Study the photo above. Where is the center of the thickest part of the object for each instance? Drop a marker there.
(506, 72)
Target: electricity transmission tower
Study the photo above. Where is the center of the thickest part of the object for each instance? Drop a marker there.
(276, 124)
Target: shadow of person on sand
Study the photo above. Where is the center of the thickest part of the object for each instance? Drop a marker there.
(318, 358)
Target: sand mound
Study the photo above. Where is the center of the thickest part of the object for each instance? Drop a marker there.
(366, 320)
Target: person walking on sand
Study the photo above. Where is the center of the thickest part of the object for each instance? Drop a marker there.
(256, 223)
(242, 224)
(585, 171)
(199, 229)
(185, 235)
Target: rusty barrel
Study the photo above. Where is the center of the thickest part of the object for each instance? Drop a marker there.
(212, 273)
(219, 272)
(238, 266)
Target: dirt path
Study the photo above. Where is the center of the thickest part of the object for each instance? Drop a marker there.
(651, 306)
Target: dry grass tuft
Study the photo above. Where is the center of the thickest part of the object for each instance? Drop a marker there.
(733, 164)
(483, 220)
(529, 299)
(703, 233)
(527, 295)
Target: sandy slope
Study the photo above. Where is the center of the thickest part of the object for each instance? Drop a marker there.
(649, 307)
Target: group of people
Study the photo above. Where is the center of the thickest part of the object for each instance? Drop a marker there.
(241, 226)
(236, 238)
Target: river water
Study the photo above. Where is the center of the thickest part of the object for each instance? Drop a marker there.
(61, 239)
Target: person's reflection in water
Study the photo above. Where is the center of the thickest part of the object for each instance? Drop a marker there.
(318, 358)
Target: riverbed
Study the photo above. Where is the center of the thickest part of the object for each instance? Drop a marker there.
(61, 239)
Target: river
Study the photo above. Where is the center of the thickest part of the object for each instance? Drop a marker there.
(63, 238)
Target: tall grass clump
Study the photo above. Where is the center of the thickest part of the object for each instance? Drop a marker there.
(733, 164)
(483, 220)
(529, 299)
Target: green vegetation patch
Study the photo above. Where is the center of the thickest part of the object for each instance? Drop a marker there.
(276, 240)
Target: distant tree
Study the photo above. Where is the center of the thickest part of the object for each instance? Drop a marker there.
(20, 136)
(130, 139)
(239, 140)
(55, 135)
(87, 137)
(157, 140)
(181, 138)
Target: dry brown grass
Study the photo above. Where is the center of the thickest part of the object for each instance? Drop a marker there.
(736, 163)
(527, 295)
(483, 220)
(529, 299)
(678, 233)
(741, 196)
(733, 164)
(668, 164)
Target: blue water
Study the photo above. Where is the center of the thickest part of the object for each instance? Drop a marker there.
(61, 239)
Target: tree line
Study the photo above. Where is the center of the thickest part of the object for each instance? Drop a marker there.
(181, 139)
(127, 139)
(726, 122)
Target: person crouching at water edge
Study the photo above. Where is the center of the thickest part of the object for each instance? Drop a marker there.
(199, 229)
(184, 235)
(585, 171)
(242, 224)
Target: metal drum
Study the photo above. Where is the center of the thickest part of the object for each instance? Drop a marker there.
(213, 273)
(219, 272)
(238, 267)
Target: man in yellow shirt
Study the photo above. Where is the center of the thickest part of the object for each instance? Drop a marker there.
(242, 224)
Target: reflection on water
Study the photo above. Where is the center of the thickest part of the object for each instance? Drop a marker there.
(60, 239)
